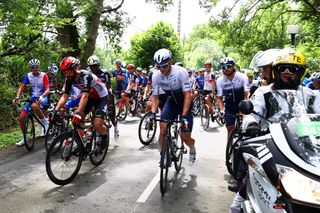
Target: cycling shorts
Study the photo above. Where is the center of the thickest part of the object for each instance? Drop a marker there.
(99, 104)
(172, 110)
(72, 103)
(43, 104)
(230, 115)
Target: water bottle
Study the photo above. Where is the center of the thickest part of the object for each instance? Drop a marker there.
(83, 136)
(67, 147)
(89, 134)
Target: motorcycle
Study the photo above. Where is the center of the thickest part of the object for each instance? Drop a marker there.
(283, 165)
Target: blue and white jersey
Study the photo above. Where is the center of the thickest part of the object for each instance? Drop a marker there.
(233, 90)
(176, 82)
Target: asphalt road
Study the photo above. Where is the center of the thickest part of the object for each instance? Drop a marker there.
(127, 181)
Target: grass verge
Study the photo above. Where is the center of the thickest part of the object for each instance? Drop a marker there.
(10, 137)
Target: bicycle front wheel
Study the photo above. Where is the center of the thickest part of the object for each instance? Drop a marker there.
(164, 165)
(98, 153)
(196, 106)
(179, 150)
(29, 135)
(64, 159)
(121, 110)
(147, 129)
(54, 129)
(205, 117)
(229, 150)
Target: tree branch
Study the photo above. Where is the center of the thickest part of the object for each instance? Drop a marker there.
(109, 9)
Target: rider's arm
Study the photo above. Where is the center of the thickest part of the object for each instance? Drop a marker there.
(219, 95)
(186, 88)
(155, 94)
(46, 86)
(20, 90)
(246, 87)
(83, 102)
(66, 93)
(155, 103)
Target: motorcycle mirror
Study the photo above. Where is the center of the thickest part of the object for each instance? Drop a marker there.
(246, 107)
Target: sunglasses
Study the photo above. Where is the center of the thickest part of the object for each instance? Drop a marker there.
(288, 69)
(34, 67)
(163, 66)
(226, 66)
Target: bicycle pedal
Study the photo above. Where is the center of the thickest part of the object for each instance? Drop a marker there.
(184, 151)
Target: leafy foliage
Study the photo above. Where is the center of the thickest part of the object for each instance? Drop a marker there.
(144, 45)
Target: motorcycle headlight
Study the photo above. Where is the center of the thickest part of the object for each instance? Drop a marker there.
(298, 186)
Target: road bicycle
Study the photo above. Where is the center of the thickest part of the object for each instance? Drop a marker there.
(206, 116)
(29, 133)
(198, 102)
(68, 150)
(122, 108)
(172, 151)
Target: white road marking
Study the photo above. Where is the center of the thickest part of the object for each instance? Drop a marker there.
(146, 193)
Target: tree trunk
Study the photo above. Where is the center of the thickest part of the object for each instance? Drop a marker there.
(93, 23)
(68, 35)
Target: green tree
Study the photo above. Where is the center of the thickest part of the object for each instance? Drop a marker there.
(145, 44)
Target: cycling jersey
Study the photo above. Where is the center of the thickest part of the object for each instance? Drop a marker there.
(208, 80)
(105, 77)
(200, 82)
(133, 78)
(38, 83)
(305, 81)
(52, 82)
(143, 81)
(87, 82)
(120, 84)
(191, 81)
(310, 86)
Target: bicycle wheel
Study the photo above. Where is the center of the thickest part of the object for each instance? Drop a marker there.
(55, 128)
(196, 106)
(29, 132)
(64, 159)
(121, 112)
(229, 150)
(147, 129)
(98, 155)
(164, 165)
(220, 121)
(179, 150)
(205, 117)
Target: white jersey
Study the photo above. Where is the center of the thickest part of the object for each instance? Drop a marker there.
(191, 81)
(177, 81)
(226, 86)
(281, 104)
(208, 81)
(254, 83)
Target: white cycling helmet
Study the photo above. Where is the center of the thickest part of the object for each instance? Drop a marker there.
(315, 76)
(162, 56)
(93, 60)
(227, 61)
(264, 58)
(33, 62)
(53, 69)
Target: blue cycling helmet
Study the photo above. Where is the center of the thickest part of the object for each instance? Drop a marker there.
(53, 68)
(162, 56)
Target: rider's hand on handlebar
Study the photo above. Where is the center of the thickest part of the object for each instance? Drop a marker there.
(152, 117)
(221, 113)
(184, 122)
(77, 118)
(40, 99)
(15, 102)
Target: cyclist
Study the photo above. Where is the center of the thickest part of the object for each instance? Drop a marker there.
(253, 84)
(233, 87)
(256, 74)
(175, 83)
(315, 81)
(52, 76)
(39, 91)
(94, 66)
(120, 75)
(94, 94)
(209, 87)
(191, 78)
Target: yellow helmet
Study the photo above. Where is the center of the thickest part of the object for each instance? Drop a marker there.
(250, 73)
(290, 56)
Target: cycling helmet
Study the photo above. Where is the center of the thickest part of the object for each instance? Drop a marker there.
(250, 73)
(162, 56)
(315, 76)
(139, 69)
(179, 64)
(53, 68)
(93, 60)
(290, 58)
(207, 63)
(69, 62)
(34, 62)
(118, 61)
(130, 66)
(264, 58)
(144, 72)
(227, 61)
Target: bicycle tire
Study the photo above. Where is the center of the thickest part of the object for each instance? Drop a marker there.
(145, 125)
(229, 151)
(179, 151)
(29, 134)
(97, 156)
(121, 114)
(57, 149)
(205, 117)
(54, 130)
(220, 121)
(164, 166)
(196, 106)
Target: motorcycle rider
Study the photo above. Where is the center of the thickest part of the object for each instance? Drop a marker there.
(288, 69)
